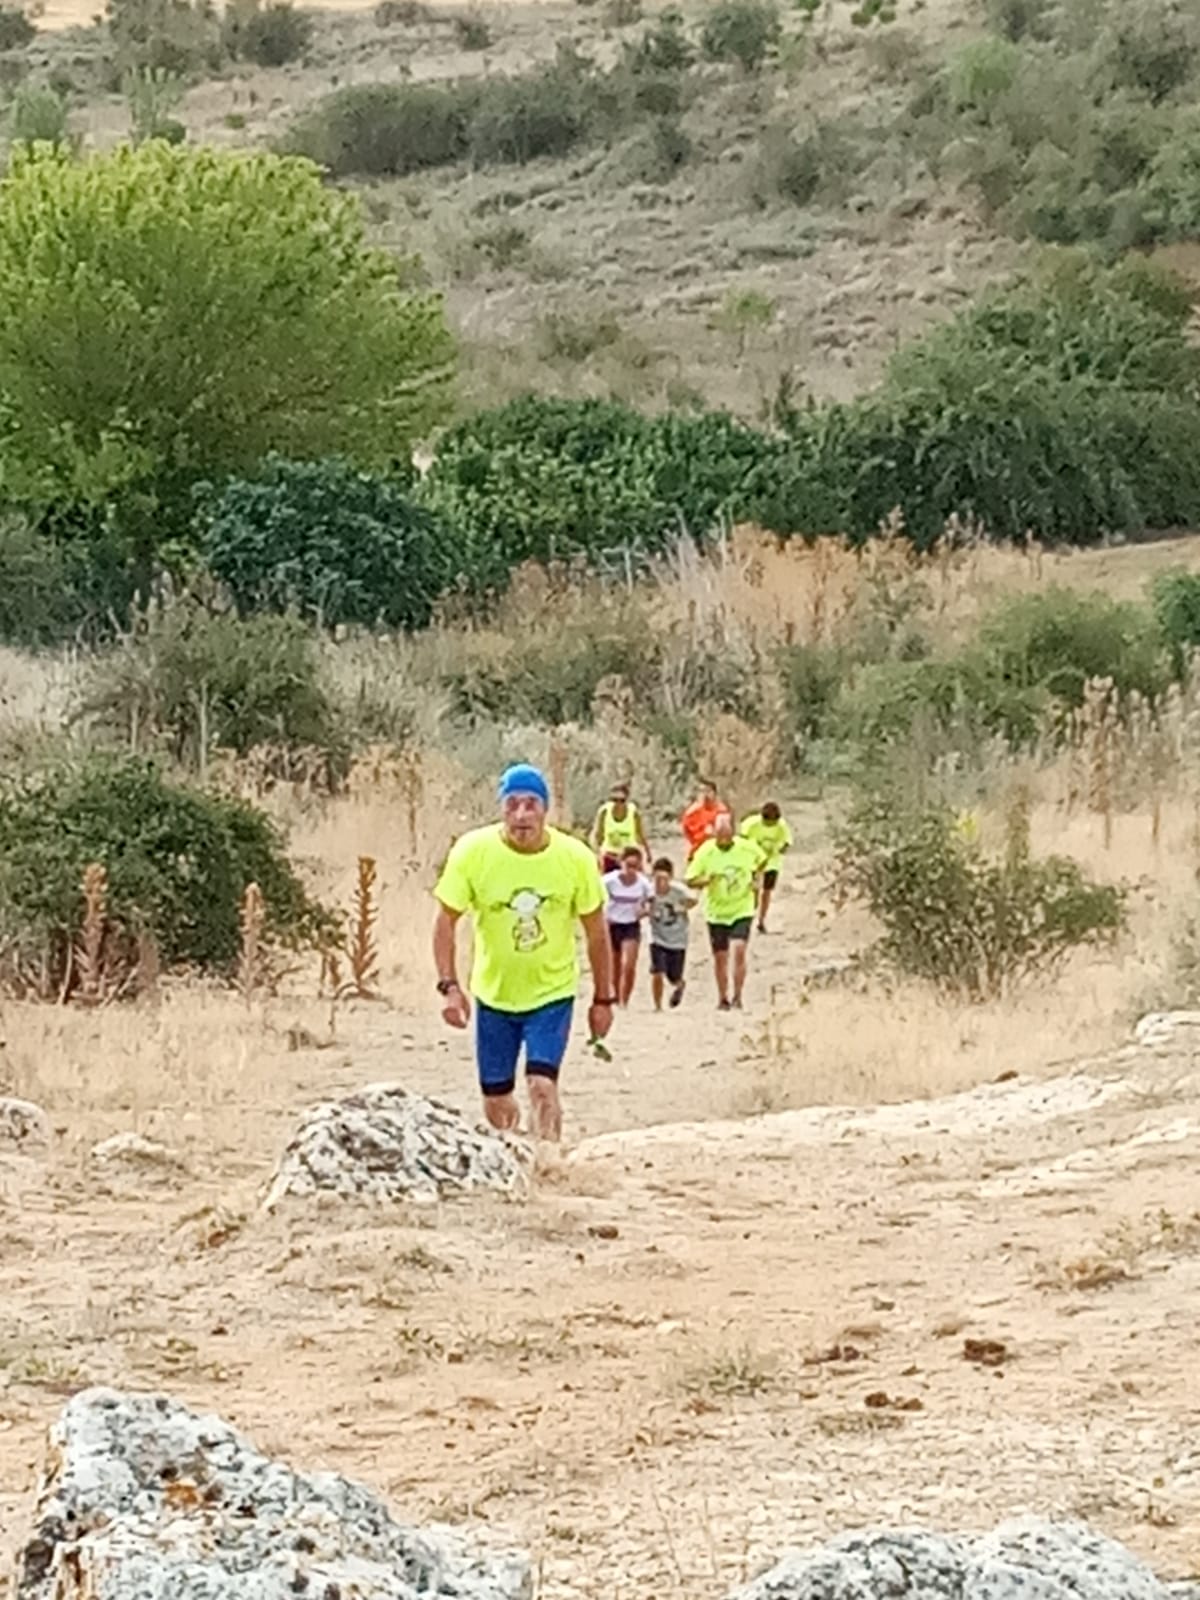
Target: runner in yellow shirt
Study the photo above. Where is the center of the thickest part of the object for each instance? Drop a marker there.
(617, 828)
(726, 867)
(773, 837)
(525, 885)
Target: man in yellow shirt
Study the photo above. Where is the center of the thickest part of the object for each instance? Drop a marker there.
(525, 886)
(727, 867)
(773, 837)
(617, 828)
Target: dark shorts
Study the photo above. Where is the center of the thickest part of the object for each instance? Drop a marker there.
(722, 934)
(620, 933)
(770, 877)
(667, 963)
(500, 1035)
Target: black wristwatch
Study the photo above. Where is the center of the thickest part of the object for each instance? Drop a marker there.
(447, 985)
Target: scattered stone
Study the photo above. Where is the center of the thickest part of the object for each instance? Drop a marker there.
(604, 1230)
(133, 1155)
(986, 1352)
(1162, 1028)
(142, 1499)
(881, 1400)
(22, 1123)
(385, 1143)
(1019, 1560)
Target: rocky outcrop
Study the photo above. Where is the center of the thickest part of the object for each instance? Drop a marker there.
(1029, 1559)
(385, 1143)
(143, 1499)
(22, 1124)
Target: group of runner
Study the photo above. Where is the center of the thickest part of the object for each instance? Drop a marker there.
(736, 872)
(526, 885)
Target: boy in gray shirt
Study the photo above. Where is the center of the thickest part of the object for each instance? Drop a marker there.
(669, 907)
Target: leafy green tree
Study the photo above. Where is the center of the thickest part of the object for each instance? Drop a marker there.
(745, 31)
(171, 314)
(327, 540)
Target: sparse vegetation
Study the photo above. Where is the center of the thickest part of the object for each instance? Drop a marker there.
(16, 28)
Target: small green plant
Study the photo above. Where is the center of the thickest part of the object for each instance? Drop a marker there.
(663, 48)
(1176, 599)
(16, 29)
(152, 93)
(969, 924)
(38, 116)
(745, 31)
(472, 32)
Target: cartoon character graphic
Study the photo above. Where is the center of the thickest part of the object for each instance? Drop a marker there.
(528, 933)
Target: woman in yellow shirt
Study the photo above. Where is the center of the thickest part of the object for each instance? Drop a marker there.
(617, 828)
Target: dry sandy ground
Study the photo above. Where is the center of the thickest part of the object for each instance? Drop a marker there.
(655, 1371)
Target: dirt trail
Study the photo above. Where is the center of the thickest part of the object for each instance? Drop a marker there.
(655, 1372)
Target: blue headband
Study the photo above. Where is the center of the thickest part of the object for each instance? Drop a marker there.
(524, 779)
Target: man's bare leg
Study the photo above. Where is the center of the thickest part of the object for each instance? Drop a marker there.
(502, 1110)
(545, 1108)
(739, 969)
(629, 955)
(656, 989)
(764, 905)
(721, 968)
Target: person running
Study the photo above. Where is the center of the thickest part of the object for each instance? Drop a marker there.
(669, 907)
(726, 867)
(628, 890)
(618, 825)
(699, 820)
(525, 886)
(773, 837)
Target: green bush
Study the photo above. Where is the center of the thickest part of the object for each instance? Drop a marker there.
(472, 33)
(968, 924)
(981, 73)
(745, 31)
(325, 540)
(178, 863)
(380, 130)
(188, 682)
(663, 48)
(182, 36)
(1057, 639)
(800, 166)
(16, 29)
(1153, 47)
(518, 119)
(1176, 599)
(1171, 189)
(169, 315)
(39, 603)
(1017, 20)
(956, 704)
(270, 35)
(38, 116)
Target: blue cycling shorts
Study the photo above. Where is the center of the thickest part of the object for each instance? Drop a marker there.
(501, 1035)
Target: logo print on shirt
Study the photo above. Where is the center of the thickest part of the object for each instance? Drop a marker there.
(528, 933)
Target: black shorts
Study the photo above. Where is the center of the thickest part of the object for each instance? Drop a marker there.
(722, 934)
(770, 877)
(620, 933)
(667, 963)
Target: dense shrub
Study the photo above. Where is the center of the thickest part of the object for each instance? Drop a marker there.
(178, 864)
(554, 479)
(663, 48)
(39, 603)
(169, 315)
(190, 682)
(745, 31)
(949, 704)
(182, 36)
(270, 35)
(325, 540)
(16, 29)
(38, 116)
(382, 130)
(517, 119)
(1059, 638)
(965, 922)
(1176, 599)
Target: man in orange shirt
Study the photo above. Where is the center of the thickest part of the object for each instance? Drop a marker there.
(700, 817)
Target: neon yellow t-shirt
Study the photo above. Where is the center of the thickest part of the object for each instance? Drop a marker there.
(730, 895)
(617, 833)
(525, 908)
(772, 838)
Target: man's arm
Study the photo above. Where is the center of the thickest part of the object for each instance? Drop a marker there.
(599, 951)
(457, 1008)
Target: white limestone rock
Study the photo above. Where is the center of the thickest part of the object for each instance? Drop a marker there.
(22, 1124)
(142, 1499)
(385, 1143)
